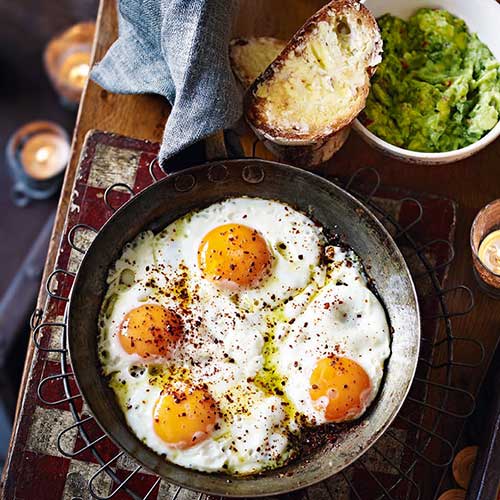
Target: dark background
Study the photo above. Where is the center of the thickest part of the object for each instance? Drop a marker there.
(26, 95)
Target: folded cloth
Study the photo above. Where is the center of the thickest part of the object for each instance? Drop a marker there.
(178, 49)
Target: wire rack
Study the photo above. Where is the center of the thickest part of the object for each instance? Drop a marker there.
(435, 405)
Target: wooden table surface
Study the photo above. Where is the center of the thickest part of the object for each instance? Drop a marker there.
(472, 182)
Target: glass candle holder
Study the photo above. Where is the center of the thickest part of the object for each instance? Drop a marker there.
(67, 62)
(485, 245)
(37, 155)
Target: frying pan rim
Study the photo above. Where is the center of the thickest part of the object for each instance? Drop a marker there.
(375, 435)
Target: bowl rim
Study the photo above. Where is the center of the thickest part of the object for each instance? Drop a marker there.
(464, 152)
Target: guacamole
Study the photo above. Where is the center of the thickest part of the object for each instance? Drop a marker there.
(438, 86)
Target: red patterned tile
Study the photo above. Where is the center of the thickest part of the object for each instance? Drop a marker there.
(42, 477)
(107, 450)
(140, 484)
(53, 389)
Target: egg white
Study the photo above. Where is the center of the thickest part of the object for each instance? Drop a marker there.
(240, 346)
(293, 239)
(344, 318)
(226, 345)
(251, 441)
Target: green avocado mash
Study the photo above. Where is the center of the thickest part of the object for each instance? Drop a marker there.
(437, 87)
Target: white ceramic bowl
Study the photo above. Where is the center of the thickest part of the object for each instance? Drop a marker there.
(482, 17)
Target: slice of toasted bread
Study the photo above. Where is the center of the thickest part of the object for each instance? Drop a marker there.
(251, 56)
(319, 83)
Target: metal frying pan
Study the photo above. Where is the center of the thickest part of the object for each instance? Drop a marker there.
(197, 187)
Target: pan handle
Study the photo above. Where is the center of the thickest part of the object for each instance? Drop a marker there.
(222, 145)
(215, 147)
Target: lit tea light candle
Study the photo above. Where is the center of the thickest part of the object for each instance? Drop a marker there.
(67, 61)
(485, 245)
(37, 155)
(44, 155)
(75, 69)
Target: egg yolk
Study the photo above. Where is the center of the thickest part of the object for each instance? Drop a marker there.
(150, 330)
(183, 419)
(234, 254)
(341, 386)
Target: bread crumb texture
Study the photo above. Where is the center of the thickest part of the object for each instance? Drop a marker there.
(251, 56)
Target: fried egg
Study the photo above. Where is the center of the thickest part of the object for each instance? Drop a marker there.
(258, 252)
(226, 333)
(331, 351)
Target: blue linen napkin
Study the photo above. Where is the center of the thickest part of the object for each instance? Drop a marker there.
(178, 49)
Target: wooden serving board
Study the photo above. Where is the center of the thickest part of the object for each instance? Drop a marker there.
(472, 182)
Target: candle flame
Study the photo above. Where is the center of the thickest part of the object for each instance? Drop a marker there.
(495, 255)
(79, 73)
(42, 155)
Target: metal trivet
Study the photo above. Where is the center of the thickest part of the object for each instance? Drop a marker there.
(431, 397)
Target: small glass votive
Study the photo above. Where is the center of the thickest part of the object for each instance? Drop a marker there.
(485, 245)
(67, 62)
(37, 155)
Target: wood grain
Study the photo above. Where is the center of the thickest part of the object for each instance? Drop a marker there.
(472, 182)
(279, 18)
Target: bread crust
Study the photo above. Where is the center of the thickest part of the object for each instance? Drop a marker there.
(253, 104)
